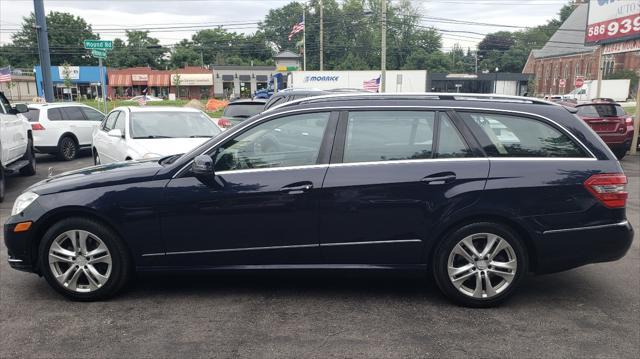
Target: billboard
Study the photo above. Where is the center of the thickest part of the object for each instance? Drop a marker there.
(612, 21)
(397, 80)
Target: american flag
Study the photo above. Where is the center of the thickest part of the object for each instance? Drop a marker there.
(142, 100)
(5, 74)
(296, 29)
(371, 85)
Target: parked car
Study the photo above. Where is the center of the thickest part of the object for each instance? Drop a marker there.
(133, 133)
(609, 120)
(292, 94)
(240, 110)
(146, 98)
(377, 181)
(64, 128)
(16, 143)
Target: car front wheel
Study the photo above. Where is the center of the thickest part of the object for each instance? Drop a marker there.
(480, 264)
(84, 260)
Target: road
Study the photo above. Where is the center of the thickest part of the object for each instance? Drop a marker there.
(592, 311)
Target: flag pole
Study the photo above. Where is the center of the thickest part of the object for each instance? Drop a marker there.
(304, 40)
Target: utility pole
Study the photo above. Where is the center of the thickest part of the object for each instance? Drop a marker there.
(43, 49)
(383, 46)
(321, 38)
(304, 38)
(476, 61)
(600, 69)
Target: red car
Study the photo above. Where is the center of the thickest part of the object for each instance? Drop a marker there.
(609, 120)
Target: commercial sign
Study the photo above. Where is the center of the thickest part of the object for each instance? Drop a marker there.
(397, 81)
(98, 44)
(612, 20)
(625, 46)
(192, 79)
(71, 72)
(139, 77)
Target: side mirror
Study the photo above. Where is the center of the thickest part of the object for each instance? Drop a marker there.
(202, 166)
(116, 132)
(21, 108)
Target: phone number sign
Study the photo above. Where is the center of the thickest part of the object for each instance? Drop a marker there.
(612, 21)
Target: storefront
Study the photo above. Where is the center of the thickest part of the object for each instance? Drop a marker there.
(192, 83)
(231, 81)
(126, 83)
(83, 82)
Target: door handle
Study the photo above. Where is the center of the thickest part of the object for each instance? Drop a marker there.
(439, 178)
(297, 188)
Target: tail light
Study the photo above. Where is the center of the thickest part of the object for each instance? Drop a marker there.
(608, 188)
(629, 121)
(224, 123)
(37, 127)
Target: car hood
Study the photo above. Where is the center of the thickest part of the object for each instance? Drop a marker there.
(166, 146)
(98, 176)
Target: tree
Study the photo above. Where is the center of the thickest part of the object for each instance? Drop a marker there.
(278, 23)
(67, 79)
(66, 34)
(140, 50)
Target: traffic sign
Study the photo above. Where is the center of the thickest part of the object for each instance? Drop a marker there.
(98, 44)
(97, 53)
(579, 81)
(562, 83)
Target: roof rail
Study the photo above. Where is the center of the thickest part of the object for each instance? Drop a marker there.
(420, 95)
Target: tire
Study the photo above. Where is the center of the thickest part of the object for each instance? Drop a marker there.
(76, 269)
(30, 169)
(2, 184)
(96, 157)
(67, 148)
(502, 282)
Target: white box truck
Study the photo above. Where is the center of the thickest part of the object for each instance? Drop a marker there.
(397, 81)
(617, 90)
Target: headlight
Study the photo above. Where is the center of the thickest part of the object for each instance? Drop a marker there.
(22, 202)
(151, 155)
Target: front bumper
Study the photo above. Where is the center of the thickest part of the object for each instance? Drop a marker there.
(563, 249)
(22, 247)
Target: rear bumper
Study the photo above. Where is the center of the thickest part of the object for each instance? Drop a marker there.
(563, 249)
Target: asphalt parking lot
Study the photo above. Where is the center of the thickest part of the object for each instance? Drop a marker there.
(592, 311)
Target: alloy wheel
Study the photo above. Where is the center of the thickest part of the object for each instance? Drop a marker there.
(68, 148)
(80, 261)
(482, 265)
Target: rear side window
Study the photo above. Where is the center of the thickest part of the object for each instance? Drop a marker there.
(91, 114)
(54, 114)
(515, 136)
(73, 113)
(33, 115)
(604, 110)
(274, 102)
(389, 135)
(450, 142)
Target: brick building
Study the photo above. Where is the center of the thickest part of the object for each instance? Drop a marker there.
(566, 57)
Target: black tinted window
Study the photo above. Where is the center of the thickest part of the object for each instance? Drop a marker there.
(513, 136)
(603, 110)
(243, 110)
(450, 142)
(73, 113)
(33, 115)
(389, 135)
(54, 114)
(92, 115)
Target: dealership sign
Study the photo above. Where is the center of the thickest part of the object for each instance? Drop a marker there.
(321, 78)
(625, 46)
(70, 72)
(612, 21)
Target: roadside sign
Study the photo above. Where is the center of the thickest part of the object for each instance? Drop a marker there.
(562, 83)
(579, 81)
(100, 54)
(98, 44)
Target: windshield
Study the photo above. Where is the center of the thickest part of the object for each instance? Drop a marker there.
(244, 110)
(603, 110)
(172, 125)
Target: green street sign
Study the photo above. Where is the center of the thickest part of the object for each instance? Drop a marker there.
(98, 44)
(100, 54)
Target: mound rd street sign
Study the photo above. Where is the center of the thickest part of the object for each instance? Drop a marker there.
(98, 44)
(100, 54)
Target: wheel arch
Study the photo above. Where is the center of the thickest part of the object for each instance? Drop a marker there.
(516, 226)
(67, 212)
(68, 134)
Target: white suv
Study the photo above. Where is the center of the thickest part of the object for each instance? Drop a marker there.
(63, 128)
(16, 142)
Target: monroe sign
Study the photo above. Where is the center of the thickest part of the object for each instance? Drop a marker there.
(612, 21)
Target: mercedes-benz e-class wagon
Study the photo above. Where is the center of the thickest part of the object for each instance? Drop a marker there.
(477, 190)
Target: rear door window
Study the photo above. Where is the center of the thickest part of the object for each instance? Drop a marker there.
(73, 113)
(54, 114)
(514, 136)
(389, 136)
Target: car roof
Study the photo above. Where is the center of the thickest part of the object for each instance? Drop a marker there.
(156, 109)
(56, 105)
(248, 101)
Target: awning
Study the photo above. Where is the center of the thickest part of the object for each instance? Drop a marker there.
(119, 80)
(245, 78)
(227, 77)
(262, 78)
(159, 80)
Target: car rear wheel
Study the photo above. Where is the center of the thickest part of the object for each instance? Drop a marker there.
(67, 149)
(29, 169)
(1, 183)
(480, 264)
(84, 260)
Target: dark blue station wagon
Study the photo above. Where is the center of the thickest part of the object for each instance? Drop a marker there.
(478, 190)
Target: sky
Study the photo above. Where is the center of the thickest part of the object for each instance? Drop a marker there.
(108, 17)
